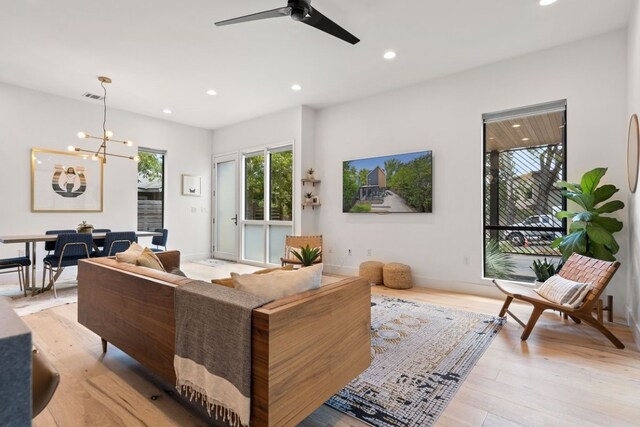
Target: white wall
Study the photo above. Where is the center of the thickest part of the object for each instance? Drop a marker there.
(30, 119)
(444, 115)
(633, 90)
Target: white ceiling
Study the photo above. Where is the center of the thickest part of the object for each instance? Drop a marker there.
(167, 53)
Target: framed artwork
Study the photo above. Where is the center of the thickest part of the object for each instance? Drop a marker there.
(65, 182)
(191, 185)
(633, 153)
(400, 183)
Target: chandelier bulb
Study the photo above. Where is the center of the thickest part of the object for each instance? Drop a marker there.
(108, 134)
(94, 157)
(129, 143)
(82, 135)
(136, 159)
(71, 148)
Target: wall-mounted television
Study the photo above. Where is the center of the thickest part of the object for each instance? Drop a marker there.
(399, 183)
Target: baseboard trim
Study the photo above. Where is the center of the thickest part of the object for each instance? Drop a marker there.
(634, 325)
(484, 288)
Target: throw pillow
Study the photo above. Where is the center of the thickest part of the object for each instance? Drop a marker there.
(563, 291)
(228, 282)
(131, 254)
(150, 260)
(177, 272)
(279, 284)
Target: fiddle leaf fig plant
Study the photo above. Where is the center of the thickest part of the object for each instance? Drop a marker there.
(590, 232)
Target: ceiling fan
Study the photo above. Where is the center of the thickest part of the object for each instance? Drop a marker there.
(301, 11)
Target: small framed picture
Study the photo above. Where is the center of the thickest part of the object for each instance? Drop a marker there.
(191, 185)
(315, 200)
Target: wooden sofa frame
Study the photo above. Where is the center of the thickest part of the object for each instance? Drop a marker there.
(305, 348)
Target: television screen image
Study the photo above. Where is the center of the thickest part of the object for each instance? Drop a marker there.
(399, 183)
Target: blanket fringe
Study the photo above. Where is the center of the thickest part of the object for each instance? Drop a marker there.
(219, 410)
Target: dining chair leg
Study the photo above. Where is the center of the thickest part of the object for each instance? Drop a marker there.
(535, 315)
(606, 332)
(505, 306)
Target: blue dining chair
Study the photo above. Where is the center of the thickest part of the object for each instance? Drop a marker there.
(69, 249)
(16, 265)
(99, 243)
(117, 241)
(160, 240)
(51, 245)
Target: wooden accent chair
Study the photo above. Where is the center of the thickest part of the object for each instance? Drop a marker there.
(578, 268)
(300, 242)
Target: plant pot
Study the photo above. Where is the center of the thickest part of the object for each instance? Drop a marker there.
(311, 176)
(308, 201)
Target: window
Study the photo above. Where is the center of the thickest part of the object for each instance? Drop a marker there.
(268, 203)
(524, 156)
(150, 189)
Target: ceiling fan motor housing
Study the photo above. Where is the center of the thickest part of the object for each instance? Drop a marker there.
(300, 9)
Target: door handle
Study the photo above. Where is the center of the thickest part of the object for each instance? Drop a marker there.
(235, 219)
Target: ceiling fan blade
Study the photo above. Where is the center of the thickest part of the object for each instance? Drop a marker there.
(321, 22)
(275, 13)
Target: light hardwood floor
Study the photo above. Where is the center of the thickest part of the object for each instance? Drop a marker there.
(565, 374)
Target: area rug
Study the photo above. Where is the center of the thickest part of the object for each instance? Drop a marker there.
(421, 354)
(213, 262)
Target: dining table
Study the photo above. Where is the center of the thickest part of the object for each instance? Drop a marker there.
(31, 240)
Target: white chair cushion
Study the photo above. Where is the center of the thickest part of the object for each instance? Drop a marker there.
(563, 291)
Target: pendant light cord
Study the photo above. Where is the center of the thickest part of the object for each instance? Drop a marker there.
(104, 115)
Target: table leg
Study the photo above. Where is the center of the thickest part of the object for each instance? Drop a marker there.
(33, 265)
(27, 253)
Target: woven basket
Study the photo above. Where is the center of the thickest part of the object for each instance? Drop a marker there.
(397, 276)
(372, 271)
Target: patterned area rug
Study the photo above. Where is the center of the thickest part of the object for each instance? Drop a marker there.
(213, 262)
(421, 354)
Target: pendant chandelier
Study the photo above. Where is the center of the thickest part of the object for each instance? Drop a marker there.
(107, 135)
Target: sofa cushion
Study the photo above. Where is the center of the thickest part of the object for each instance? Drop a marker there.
(279, 284)
(228, 282)
(131, 254)
(150, 260)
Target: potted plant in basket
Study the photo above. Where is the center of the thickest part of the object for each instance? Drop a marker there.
(307, 255)
(308, 198)
(543, 270)
(310, 174)
(590, 232)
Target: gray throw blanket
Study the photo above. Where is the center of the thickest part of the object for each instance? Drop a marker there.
(213, 348)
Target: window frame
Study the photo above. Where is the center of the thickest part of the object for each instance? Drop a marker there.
(488, 118)
(163, 153)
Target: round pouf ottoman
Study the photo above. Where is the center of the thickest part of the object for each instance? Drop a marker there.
(372, 271)
(397, 276)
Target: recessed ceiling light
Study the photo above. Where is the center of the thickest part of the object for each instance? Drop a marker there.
(516, 126)
(547, 2)
(389, 54)
(167, 111)
(525, 139)
(212, 92)
(296, 87)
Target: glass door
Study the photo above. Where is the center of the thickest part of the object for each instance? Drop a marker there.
(225, 238)
(267, 214)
